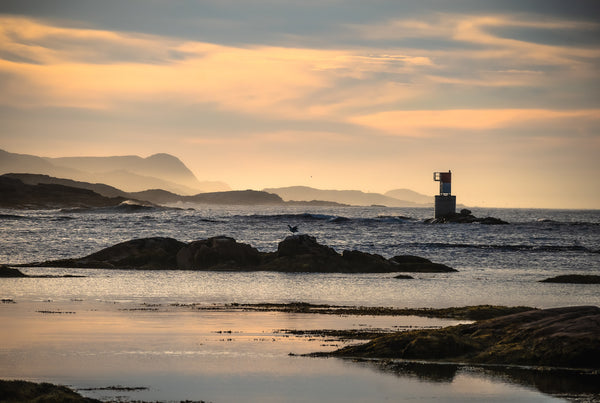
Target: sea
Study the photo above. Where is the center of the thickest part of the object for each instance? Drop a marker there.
(139, 335)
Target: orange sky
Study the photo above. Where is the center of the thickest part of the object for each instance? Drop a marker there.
(324, 94)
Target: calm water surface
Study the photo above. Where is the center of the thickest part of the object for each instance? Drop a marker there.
(120, 327)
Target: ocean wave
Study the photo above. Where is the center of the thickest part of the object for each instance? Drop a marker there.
(299, 217)
(121, 208)
(13, 217)
(507, 248)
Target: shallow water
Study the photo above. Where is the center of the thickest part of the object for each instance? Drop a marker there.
(173, 353)
(125, 331)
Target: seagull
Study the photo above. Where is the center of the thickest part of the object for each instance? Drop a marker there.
(293, 229)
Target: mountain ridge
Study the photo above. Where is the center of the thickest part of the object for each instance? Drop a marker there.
(130, 172)
(350, 197)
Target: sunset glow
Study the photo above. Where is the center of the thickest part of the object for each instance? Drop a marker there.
(333, 95)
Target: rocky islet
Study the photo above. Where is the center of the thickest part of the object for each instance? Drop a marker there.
(296, 253)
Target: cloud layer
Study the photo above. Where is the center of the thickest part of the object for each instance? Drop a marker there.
(371, 98)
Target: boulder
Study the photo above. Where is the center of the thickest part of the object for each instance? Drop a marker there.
(465, 217)
(557, 337)
(295, 245)
(367, 262)
(416, 264)
(296, 253)
(145, 253)
(574, 279)
(302, 253)
(218, 253)
(8, 272)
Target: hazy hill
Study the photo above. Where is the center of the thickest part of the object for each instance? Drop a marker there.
(25, 191)
(410, 195)
(16, 194)
(100, 188)
(352, 197)
(11, 162)
(129, 173)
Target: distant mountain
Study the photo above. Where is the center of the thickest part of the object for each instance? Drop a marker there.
(410, 195)
(352, 197)
(231, 197)
(18, 195)
(129, 173)
(100, 188)
(64, 193)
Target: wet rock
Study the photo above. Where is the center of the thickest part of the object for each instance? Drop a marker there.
(296, 253)
(23, 391)
(557, 337)
(216, 253)
(416, 264)
(465, 217)
(302, 253)
(369, 262)
(574, 279)
(296, 245)
(7, 272)
(145, 253)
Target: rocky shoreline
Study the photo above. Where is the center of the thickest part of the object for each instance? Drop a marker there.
(296, 253)
(477, 312)
(558, 337)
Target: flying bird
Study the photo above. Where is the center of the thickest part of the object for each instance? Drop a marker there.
(293, 229)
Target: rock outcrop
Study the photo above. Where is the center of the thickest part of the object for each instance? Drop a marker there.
(8, 272)
(574, 279)
(557, 337)
(24, 391)
(217, 253)
(417, 264)
(145, 253)
(465, 217)
(296, 253)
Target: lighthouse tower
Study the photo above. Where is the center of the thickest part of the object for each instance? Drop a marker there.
(445, 203)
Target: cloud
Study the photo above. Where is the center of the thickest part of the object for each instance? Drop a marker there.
(70, 67)
(431, 122)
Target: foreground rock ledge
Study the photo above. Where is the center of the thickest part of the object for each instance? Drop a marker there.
(297, 253)
(558, 337)
(23, 391)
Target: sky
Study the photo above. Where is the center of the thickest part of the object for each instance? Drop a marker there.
(333, 94)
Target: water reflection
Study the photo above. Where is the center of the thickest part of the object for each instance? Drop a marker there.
(578, 385)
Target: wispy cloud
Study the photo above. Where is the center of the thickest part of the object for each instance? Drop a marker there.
(348, 84)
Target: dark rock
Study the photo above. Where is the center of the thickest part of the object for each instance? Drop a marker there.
(558, 337)
(217, 253)
(404, 277)
(145, 253)
(574, 279)
(303, 244)
(7, 272)
(296, 253)
(23, 391)
(465, 217)
(302, 253)
(369, 262)
(416, 264)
